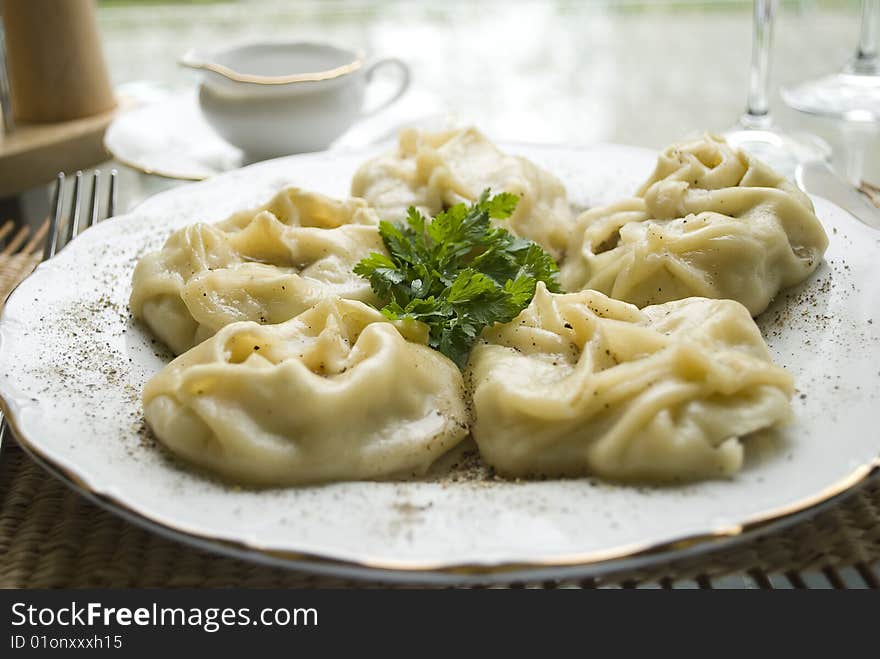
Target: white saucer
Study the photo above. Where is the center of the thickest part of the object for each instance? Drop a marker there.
(168, 136)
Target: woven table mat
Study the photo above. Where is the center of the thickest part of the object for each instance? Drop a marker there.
(50, 537)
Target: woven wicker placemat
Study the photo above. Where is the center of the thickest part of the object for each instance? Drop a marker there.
(50, 537)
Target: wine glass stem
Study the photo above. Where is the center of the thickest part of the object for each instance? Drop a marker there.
(866, 55)
(758, 107)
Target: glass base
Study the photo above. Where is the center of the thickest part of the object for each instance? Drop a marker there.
(849, 95)
(782, 151)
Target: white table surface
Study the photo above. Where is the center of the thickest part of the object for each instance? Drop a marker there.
(636, 72)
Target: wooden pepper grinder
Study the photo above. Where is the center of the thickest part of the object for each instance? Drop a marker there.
(61, 99)
(56, 68)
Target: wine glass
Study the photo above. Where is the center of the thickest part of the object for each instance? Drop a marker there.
(854, 93)
(756, 132)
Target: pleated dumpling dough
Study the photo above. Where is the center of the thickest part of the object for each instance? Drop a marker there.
(336, 393)
(584, 384)
(266, 265)
(711, 221)
(435, 170)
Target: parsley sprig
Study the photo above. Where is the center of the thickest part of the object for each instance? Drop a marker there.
(457, 273)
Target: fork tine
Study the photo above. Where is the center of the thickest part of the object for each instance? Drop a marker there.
(93, 203)
(16, 242)
(52, 238)
(111, 204)
(73, 222)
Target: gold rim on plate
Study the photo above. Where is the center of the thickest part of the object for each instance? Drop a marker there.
(369, 566)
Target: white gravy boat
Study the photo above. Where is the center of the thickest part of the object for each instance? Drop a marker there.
(276, 98)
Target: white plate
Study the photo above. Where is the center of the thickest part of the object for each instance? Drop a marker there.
(72, 365)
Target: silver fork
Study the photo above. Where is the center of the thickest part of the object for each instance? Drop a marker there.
(56, 242)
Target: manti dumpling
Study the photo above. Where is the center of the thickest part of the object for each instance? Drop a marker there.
(711, 221)
(435, 170)
(336, 393)
(266, 265)
(584, 384)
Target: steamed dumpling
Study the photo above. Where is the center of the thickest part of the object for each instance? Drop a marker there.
(435, 170)
(584, 384)
(336, 393)
(710, 221)
(264, 265)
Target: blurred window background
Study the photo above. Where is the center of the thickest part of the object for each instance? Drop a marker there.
(636, 71)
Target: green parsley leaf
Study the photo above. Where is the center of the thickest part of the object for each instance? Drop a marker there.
(382, 272)
(500, 206)
(457, 273)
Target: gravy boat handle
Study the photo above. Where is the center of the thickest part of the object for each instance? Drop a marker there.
(402, 86)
